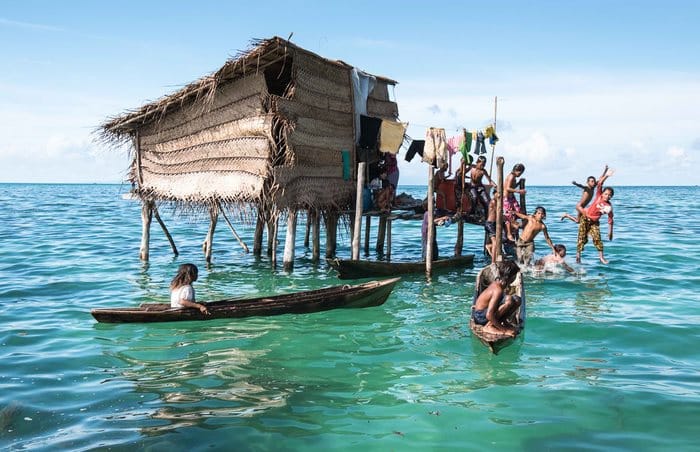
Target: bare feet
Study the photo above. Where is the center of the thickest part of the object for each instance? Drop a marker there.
(489, 328)
(602, 259)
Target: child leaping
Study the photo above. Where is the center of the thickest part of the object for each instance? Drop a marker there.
(510, 204)
(586, 197)
(590, 220)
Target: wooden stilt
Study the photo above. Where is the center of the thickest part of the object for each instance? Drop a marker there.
(389, 221)
(235, 234)
(146, 217)
(315, 235)
(308, 228)
(431, 224)
(207, 246)
(273, 246)
(270, 234)
(165, 229)
(459, 245)
(358, 211)
(523, 207)
(381, 234)
(368, 226)
(290, 240)
(331, 221)
(257, 238)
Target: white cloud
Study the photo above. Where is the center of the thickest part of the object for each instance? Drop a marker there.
(564, 126)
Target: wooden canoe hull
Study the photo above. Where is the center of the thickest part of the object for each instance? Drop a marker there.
(354, 269)
(372, 293)
(496, 342)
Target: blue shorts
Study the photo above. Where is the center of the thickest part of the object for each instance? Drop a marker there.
(480, 317)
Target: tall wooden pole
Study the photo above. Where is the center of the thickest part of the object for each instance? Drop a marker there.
(431, 218)
(496, 251)
(358, 211)
(493, 146)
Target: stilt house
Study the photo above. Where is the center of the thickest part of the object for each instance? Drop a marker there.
(275, 128)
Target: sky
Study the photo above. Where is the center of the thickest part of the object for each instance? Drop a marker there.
(579, 84)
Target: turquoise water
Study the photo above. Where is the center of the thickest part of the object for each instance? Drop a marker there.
(609, 359)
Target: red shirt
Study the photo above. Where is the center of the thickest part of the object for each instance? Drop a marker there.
(599, 207)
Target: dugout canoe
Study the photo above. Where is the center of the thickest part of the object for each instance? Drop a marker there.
(354, 269)
(372, 293)
(497, 341)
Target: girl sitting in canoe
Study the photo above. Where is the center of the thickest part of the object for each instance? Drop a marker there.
(181, 290)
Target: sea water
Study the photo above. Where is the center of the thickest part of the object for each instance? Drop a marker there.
(608, 361)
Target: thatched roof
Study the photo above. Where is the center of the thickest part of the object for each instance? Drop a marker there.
(262, 53)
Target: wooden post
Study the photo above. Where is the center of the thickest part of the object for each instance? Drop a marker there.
(290, 240)
(389, 221)
(308, 228)
(315, 235)
(165, 229)
(368, 226)
(523, 207)
(381, 234)
(257, 238)
(146, 217)
(235, 234)
(460, 237)
(273, 226)
(331, 221)
(431, 224)
(358, 211)
(496, 251)
(209, 240)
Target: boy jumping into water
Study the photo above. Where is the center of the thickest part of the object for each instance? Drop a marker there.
(510, 204)
(590, 220)
(556, 258)
(586, 197)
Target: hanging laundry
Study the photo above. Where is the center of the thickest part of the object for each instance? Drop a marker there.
(454, 143)
(416, 147)
(435, 151)
(480, 145)
(489, 131)
(466, 146)
(493, 139)
(391, 136)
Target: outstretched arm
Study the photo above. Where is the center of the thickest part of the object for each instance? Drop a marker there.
(581, 186)
(567, 267)
(546, 237)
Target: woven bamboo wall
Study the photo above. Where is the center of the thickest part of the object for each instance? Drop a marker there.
(222, 152)
(379, 105)
(321, 126)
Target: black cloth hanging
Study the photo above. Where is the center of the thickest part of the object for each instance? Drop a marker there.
(416, 147)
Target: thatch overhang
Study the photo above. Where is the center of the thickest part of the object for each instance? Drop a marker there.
(269, 127)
